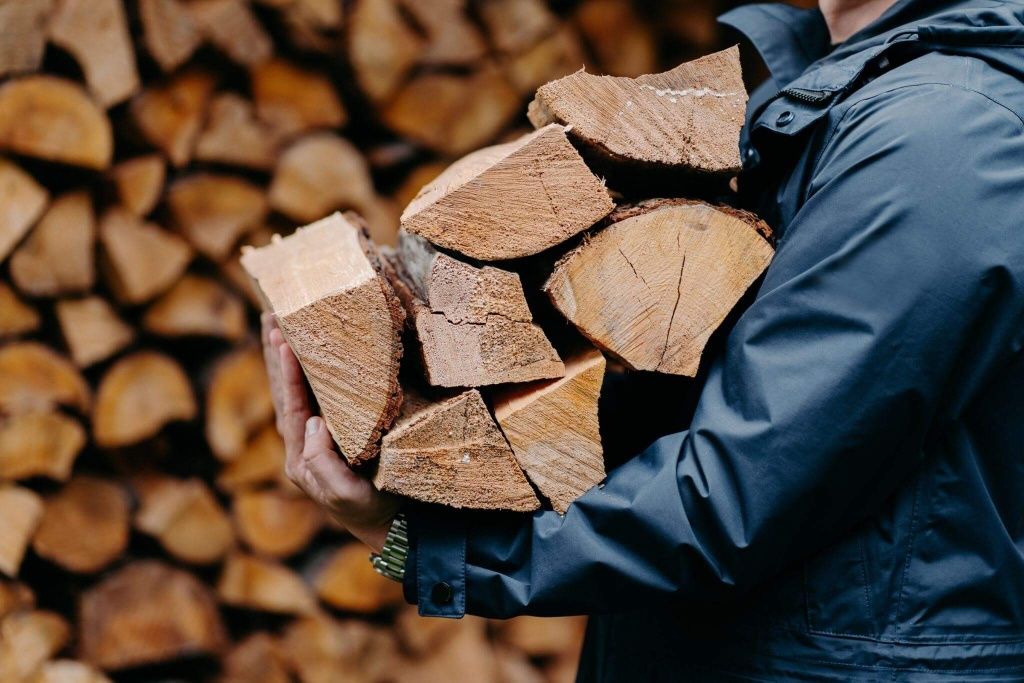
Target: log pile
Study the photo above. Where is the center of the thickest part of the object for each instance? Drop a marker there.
(148, 530)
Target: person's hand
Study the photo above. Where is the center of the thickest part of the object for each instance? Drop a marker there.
(312, 461)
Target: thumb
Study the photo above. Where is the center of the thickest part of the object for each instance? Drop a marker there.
(325, 463)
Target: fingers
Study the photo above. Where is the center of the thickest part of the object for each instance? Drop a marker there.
(270, 358)
(335, 480)
(295, 403)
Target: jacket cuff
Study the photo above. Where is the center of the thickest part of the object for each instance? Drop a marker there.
(435, 572)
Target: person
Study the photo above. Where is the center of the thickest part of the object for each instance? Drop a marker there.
(848, 501)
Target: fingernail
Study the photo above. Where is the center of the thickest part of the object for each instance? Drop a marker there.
(312, 424)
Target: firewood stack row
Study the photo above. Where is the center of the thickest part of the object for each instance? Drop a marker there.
(147, 530)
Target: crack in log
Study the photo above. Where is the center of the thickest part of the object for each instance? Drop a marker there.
(679, 295)
(633, 268)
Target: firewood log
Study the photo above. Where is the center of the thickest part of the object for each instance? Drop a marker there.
(514, 667)
(16, 317)
(622, 43)
(138, 396)
(342, 320)
(238, 401)
(451, 37)
(688, 118)
(69, 671)
(473, 324)
(23, 36)
(39, 445)
(261, 462)
(214, 211)
(516, 25)
(543, 636)
(320, 649)
(148, 613)
(652, 287)
(22, 201)
(234, 136)
(197, 306)
(552, 427)
(84, 526)
(382, 47)
(256, 659)
(466, 652)
(453, 453)
(185, 517)
(276, 523)
(510, 200)
(235, 274)
(557, 55)
(15, 597)
(139, 182)
(92, 330)
(170, 115)
(168, 32)
(139, 259)
(54, 119)
(293, 100)
(57, 256)
(255, 583)
(345, 580)
(27, 640)
(232, 27)
(34, 378)
(21, 510)
(95, 32)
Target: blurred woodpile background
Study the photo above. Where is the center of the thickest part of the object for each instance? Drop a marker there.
(146, 530)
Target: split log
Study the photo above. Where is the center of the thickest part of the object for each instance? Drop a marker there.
(320, 649)
(264, 585)
(34, 379)
(543, 636)
(148, 613)
(622, 43)
(553, 57)
(652, 287)
(22, 201)
(95, 33)
(466, 653)
(27, 640)
(452, 453)
(452, 39)
(232, 27)
(276, 523)
(168, 32)
(473, 324)
(516, 25)
(69, 671)
(21, 510)
(553, 429)
(138, 396)
(57, 256)
(343, 322)
(260, 463)
(688, 118)
(139, 182)
(382, 47)
(197, 306)
(292, 100)
(256, 659)
(214, 211)
(510, 200)
(140, 260)
(234, 136)
(54, 119)
(345, 580)
(317, 175)
(233, 271)
(85, 525)
(23, 35)
(238, 401)
(15, 597)
(416, 180)
(185, 517)
(16, 317)
(39, 445)
(514, 667)
(171, 115)
(92, 330)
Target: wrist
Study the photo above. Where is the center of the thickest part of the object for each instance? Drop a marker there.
(389, 560)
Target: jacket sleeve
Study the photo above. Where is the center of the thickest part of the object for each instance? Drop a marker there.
(891, 295)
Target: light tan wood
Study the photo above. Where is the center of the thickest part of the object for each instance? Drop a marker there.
(263, 585)
(69, 671)
(473, 324)
(510, 200)
(382, 47)
(232, 27)
(140, 259)
(147, 613)
(292, 100)
(416, 180)
(168, 32)
(238, 401)
(543, 636)
(234, 136)
(22, 202)
(514, 667)
(553, 429)
(345, 580)
(34, 378)
(214, 211)
(57, 256)
(138, 396)
(92, 330)
(39, 445)
(139, 182)
(95, 32)
(85, 525)
(623, 44)
(320, 649)
(688, 118)
(517, 25)
(235, 274)
(452, 38)
(466, 652)
(557, 55)
(185, 517)
(21, 510)
(256, 659)
(197, 306)
(260, 463)
(653, 286)
(17, 318)
(23, 35)
(276, 523)
(27, 640)
(453, 453)
(318, 174)
(343, 322)
(15, 597)
(54, 119)
(170, 115)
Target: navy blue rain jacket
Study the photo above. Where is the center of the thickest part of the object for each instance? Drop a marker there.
(848, 502)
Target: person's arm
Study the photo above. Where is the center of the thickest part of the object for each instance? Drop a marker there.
(863, 338)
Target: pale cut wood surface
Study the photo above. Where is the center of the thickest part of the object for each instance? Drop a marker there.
(451, 37)
(382, 47)
(553, 429)
(235, 137)
(261, 462)
(516, 25)
(618, 36)
(197, 306)
(57, 256)
(27, 640)
(22, 35)
(17, 318)
(318, 174)
(473, 324)
(213, 211)
(168, 32)
(92, 329)
(170, 115)
(292, 100)
(343, 322)
(261, 584)
(652, 288)
(276, 523)
(69, 671)
(231, 26)
(185, 517)
(552, 57)
(238, 401)
(452, 453)
(343, 579)
(35, 378)
(141, 260)
(139, 182)
(22, 201)
(687, 118)
(21, 510)
(39, 445)
(255, 659)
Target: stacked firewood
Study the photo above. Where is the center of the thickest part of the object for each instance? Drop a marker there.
(147, 530)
